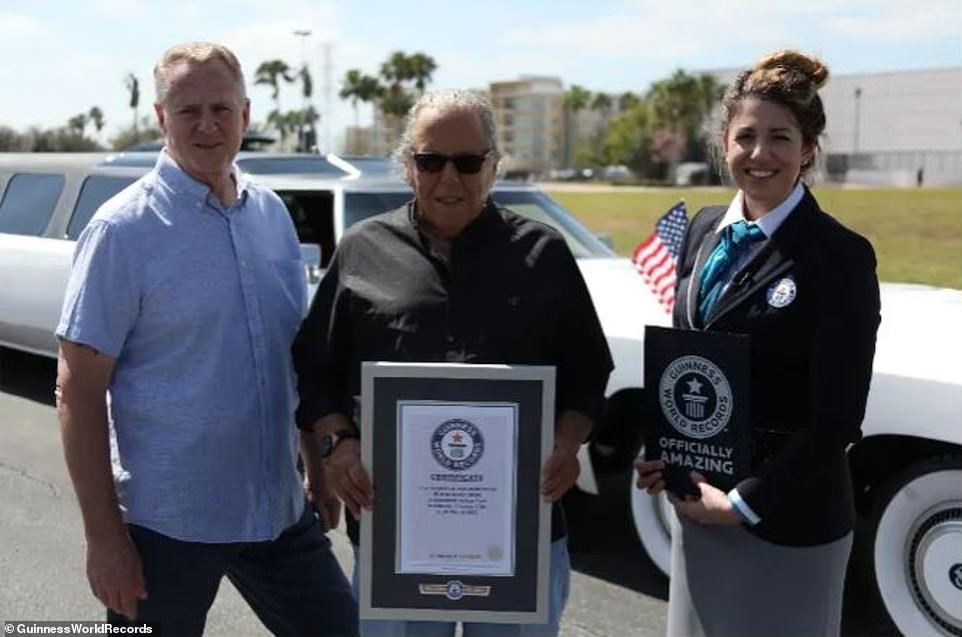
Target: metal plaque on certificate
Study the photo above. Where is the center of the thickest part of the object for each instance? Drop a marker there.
(459, 531)
(697, 390)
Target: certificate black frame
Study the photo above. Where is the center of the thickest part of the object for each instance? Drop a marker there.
(385, 594)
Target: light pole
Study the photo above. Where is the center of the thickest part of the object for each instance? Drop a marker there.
(302, 142)
(858, 102)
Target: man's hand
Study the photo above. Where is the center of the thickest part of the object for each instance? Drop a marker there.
(650, 476)
(317, 490)
(115, 573)
(348, 479)
(113, 566)
(320, 496)
(560, 472)
(561, 469)
(713, 507)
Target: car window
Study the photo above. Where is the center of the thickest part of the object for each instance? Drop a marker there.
(530, 203)
(28, 203)
(361, 205)
(294, 165)
(95, 191)
(373, 166)
(313, 216)
(540, 207)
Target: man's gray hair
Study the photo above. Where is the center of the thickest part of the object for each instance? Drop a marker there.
(448, 101)
(196, 53)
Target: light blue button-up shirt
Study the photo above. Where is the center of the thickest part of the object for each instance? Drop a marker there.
(199, 305)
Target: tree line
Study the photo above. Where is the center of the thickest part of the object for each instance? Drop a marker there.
(650, 131)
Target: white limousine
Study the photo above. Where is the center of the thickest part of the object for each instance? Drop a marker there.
(907, 467)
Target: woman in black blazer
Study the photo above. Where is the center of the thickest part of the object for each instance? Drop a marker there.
(768, 557)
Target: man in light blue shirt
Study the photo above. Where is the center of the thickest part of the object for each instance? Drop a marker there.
(186, 292)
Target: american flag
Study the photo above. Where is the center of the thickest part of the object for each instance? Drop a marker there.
(655, 257)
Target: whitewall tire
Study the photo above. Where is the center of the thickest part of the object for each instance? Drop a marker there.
(652, 518)
(917, 548)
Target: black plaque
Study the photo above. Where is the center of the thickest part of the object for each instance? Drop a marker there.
(697, 402)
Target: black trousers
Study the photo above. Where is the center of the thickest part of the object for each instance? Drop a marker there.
(294, 584)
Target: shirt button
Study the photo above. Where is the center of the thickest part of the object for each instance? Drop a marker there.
(449, 339)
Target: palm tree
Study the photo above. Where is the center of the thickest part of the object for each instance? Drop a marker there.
(283, 123)
(270, 72)
(307, 134)
(96, 117)
(680, 107)
(601, 102)
(627, 101)
(133, 85)
(78, 124)
(397, 69)
(422, 68)
(307, 84)
(576, 99)
(359, 87)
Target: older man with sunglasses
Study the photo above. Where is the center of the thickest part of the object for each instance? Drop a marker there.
(452, 277)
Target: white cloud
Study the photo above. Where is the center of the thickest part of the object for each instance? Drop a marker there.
(902, 21)
(467, 70)
(191, 9)
(655, 30)
(17, 29)
(123, 10)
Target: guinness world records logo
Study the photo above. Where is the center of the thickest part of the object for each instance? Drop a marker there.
(695, 397)
(457, 444)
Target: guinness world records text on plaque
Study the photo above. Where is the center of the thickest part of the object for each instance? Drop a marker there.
(697, 405)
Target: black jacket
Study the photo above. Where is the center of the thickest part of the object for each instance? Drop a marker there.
(812, 347)
(510, 292)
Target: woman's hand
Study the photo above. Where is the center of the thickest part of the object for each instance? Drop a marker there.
(650, 477)
(713, 507)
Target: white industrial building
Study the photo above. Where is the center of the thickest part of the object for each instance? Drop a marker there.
(882, 128)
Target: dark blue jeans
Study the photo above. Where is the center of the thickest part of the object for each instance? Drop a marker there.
(293, 584)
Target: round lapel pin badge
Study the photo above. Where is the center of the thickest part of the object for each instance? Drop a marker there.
(782, 293)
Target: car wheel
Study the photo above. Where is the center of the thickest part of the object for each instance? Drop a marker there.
(652, 517)
(916, 560)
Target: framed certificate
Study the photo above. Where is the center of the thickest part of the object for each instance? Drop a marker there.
(459, 530)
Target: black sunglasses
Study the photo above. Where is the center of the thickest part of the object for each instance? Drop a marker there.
(465, 163)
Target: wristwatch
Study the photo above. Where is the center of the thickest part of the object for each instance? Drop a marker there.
(331, 440)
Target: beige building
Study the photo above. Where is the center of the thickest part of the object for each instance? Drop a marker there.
(377, 140)
(530, 119)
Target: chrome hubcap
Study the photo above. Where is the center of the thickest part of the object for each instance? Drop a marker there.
(934, 565)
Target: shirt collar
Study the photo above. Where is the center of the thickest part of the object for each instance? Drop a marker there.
(490, 210)
(768, 222)
(175, 178)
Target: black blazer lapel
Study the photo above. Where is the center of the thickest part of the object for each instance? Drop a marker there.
(765, 266)
(772, 260)
(709, 240)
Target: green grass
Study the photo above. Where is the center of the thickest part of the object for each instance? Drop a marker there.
(917, 234)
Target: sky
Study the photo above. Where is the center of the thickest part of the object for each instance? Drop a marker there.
(60, 57)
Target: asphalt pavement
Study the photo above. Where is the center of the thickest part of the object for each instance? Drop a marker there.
(615, 590)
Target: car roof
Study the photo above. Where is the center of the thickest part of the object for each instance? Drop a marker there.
(352, 179)
(52, 161)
